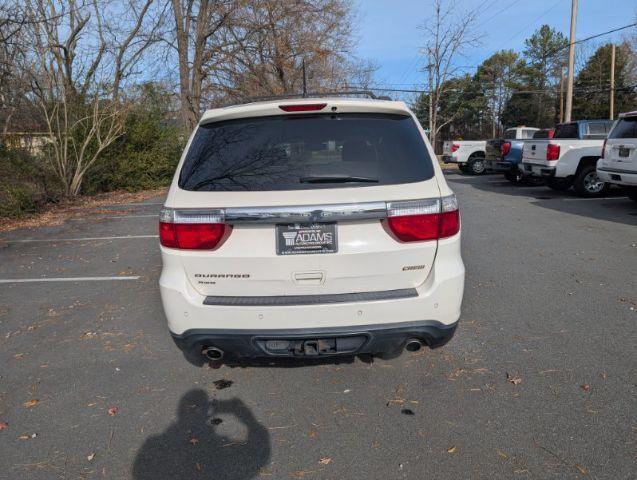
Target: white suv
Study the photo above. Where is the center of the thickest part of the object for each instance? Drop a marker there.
(310, 227)
(618, 164)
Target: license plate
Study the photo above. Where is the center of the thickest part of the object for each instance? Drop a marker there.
(306, 238)
(624, 152)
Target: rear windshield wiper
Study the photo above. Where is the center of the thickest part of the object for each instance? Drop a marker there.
(337, 179)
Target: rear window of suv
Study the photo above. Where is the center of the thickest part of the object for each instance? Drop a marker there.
(625, 128)
(306, 152)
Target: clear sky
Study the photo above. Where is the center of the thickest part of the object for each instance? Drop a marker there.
(388, 30)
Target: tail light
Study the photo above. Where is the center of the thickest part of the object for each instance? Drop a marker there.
(505, 148)
(192, 230)
(552, 151)
(604, 147)
(307, 107)
(454, 147)
(420, 220)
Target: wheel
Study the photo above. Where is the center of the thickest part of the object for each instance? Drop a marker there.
(476, 165)
(558, 184)
(631, 192)
(588, 184)
(514, 176)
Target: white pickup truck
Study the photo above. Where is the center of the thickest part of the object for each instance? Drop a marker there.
(569, 159)
(468, 154)
(618, 164)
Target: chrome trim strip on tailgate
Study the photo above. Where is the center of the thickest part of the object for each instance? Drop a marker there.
(617, 170)
(291, 300)
(307, 213)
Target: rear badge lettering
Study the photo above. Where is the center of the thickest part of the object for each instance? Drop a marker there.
(408, 268)
(222, 275)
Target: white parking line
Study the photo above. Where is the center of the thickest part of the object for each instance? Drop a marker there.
(84, 239)
(125, 216)
(594, 198)
(66, 279)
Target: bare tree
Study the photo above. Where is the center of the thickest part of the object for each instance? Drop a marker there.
(75, 68)
(201, 39)
(447, 36)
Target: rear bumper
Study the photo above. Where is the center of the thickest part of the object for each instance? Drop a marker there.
(618, 177)
(321, 342)
(538, 170)
(449, 159)
(499, 165)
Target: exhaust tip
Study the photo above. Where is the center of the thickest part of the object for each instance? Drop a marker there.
(413, 345)
(212, 353)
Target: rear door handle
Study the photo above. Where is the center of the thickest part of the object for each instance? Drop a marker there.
(309, 278)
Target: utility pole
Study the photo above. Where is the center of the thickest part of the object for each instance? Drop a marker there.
(561, 93)
(431, 101)
(571, 62)
(612, 82)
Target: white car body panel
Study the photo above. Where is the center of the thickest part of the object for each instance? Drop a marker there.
(466, 149)
(616, 168)
(571, 152)
(368, 259)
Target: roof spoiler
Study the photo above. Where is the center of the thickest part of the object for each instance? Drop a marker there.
(334, 93)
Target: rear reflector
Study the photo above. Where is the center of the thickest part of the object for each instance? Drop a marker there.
(308, 107)
(421, 220)
(192, 230)
(552, 151)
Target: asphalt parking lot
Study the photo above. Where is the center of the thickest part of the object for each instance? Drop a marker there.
(539, 382)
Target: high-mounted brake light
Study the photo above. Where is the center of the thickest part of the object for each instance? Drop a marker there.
(308, 107)
(192, 230)
(454, 147)
(552, 151)
(604, 147)
(505, 148)
(421, 220)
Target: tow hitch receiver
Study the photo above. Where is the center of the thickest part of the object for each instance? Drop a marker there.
(312, 347)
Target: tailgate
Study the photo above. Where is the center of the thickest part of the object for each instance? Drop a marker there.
(363, 256)
(534, 151)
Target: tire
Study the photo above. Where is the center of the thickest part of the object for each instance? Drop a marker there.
(587, 183)
(477, 166)
(631, 192)
(558, 184)
(514, 176)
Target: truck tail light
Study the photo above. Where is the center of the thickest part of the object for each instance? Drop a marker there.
(192, 230)
(505, 148)
(454, 147)
(604, 147)
(421, 220)
(552, 151)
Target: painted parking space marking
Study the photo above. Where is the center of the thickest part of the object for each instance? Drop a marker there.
(67, 279)
(83, 239)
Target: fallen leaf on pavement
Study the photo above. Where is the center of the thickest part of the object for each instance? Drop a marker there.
(112, 411)
(451, 449)
(502, 454)
(514, 379)
(581, 469)
(23, 437)
(90, 456)
(193, 441)
(31, 403)
(586, 387)
(603, 375)
(3, 425)
(325, 461)
(198, 467)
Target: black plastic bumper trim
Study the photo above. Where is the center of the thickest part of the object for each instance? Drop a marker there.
(381, 338)
(289, 300)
